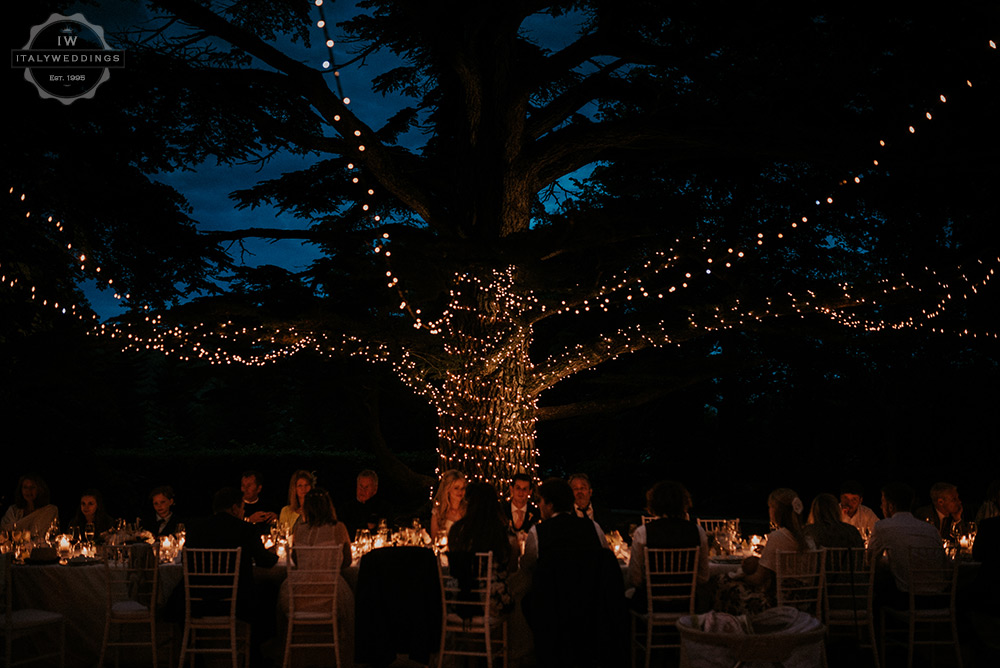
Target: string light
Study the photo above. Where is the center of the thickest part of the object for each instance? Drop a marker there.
(486, 397)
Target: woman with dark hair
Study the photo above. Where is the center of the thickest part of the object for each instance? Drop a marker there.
(320, 525)
(91, 512)
(31, 510)
(483, 529)
(757, 590)
(826, 527)
(785, 509)
(669, 502)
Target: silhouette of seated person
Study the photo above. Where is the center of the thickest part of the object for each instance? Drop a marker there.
(225, 529)
(894, 536)
(576, 603)
(669, 502)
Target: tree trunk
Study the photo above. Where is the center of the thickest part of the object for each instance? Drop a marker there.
(486, 418)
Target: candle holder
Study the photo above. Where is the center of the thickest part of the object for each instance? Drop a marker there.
(64, 547)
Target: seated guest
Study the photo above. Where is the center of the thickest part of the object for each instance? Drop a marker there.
(251, 483)
(299, 485)
(564, 531)
(583, 502)
(165, 520)
(319, 528)
(31, 510)
(482, 529)
(991, 506)
(449, 502)
(859, 516)
(758, 588)
(576, 603)
(945, 511)
(669, 502)
(898, 532)
(825, 527)
(367, 508)
(225, 529)
(91, 512)
(520, 513)
(986, 550)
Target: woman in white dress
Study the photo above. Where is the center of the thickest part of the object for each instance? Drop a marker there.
(319, 527)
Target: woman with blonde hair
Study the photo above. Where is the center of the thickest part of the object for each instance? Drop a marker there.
(449, 502)
(300, 484)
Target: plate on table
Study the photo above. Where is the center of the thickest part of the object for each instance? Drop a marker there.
(83, 561)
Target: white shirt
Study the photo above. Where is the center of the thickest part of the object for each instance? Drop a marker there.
(864, 519)
(781, 540)
(896, 535)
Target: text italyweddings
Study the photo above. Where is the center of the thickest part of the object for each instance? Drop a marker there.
(68, 59)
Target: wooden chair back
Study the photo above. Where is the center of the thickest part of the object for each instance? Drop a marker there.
(800, 579)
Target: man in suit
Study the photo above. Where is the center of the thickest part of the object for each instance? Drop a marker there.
(225, 529)
(945, 511)
(367, 508)
(560, 528)
(576, 604)
(583, 502)
(520, 512)
(251, 484)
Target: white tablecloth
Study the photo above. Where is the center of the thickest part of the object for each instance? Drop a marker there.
(78, 592)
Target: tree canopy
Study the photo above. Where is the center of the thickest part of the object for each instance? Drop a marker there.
(559, 184)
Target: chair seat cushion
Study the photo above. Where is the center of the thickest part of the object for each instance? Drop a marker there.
(129, 610)
(29, 617)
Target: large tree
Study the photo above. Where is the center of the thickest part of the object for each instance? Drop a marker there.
(563, 183)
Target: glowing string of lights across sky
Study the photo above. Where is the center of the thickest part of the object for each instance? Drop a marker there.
(631, 283)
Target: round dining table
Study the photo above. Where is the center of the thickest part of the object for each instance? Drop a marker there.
(79, 593)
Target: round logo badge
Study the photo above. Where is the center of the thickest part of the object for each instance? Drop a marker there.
(67, 58)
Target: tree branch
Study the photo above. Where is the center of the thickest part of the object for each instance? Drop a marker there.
(382, 163)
